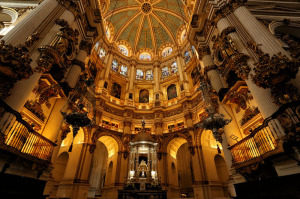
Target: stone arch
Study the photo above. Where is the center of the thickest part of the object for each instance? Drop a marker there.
(174, 143)
(60, 166)
(11, 15)
(110, 143)
(221, 168)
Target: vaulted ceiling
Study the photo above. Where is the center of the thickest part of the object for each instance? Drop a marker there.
(145, 24)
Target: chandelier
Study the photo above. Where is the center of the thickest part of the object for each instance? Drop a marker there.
(213, 121)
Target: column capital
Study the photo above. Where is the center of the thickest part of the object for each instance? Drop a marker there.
(203, 51)
(86, 45)
(227, 9)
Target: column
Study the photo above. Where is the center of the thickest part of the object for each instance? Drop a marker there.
(181, 72)
(210, 68)
(77, 68)
(262, 96)
(156, 77)
(108, 65)
(23, 88)
(28, 25)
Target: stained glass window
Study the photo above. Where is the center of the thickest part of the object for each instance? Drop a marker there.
(183, 35)
(107, 32)
(139, 74)
(174, 68)
(167, 51)
(123, 50)
(145, 56)
(149, 75)
(114, 65)
(123, 70)
(96, 46)
(102, 53)
(165, 72)
(195, 52)
(187, 56)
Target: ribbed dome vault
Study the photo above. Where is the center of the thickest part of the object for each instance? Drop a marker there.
(145, 24)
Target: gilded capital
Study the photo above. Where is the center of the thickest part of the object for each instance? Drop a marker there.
(203, 51)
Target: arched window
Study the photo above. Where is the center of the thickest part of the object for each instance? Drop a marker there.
(107, 32)
(123, 70)
(174, 68)
(172, 92)
(187, 56)
(116, 90)
(139, 74)
(123, 50)
(96, 46)
(167, 51)
(114, 65)
(144, 96)
(183, 36)
(165, 72)
(149, 75)
(102, 53)
(194, 52)
(145, 56)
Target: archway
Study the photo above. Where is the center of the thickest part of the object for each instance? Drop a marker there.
(185, 171)
(221, 168)
(60, 166)
(177, 154)
(104, 166)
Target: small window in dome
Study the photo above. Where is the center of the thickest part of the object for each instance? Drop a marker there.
(139, 74)
(123, 70)
(167, 51)
(102, 53)
(107, 33)
(187, 56)
(114, 65)
(183, 36)
(165, 72)
(145, 56)
(123, 50)
(96, 46)
(149, 75)
(174, 68)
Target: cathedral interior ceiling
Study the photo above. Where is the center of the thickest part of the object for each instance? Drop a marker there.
(145, 25)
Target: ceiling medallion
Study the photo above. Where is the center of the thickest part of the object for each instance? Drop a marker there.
(146, 8)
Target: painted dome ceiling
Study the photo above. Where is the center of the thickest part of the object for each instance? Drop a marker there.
(145, 24)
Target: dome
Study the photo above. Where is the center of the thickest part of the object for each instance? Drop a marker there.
(146, 26)
(143, 136)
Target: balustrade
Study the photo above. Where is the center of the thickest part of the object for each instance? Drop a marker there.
(267, 139)
(20, 136)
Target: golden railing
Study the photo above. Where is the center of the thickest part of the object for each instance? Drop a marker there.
(265, 140)
(19, 137)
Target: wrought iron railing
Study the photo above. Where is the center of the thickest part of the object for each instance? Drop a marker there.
(19, 137)
(267, 139)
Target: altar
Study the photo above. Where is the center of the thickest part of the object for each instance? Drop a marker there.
(142, 180)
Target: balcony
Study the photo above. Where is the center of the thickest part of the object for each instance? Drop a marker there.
(274, 136)
(19, 138)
